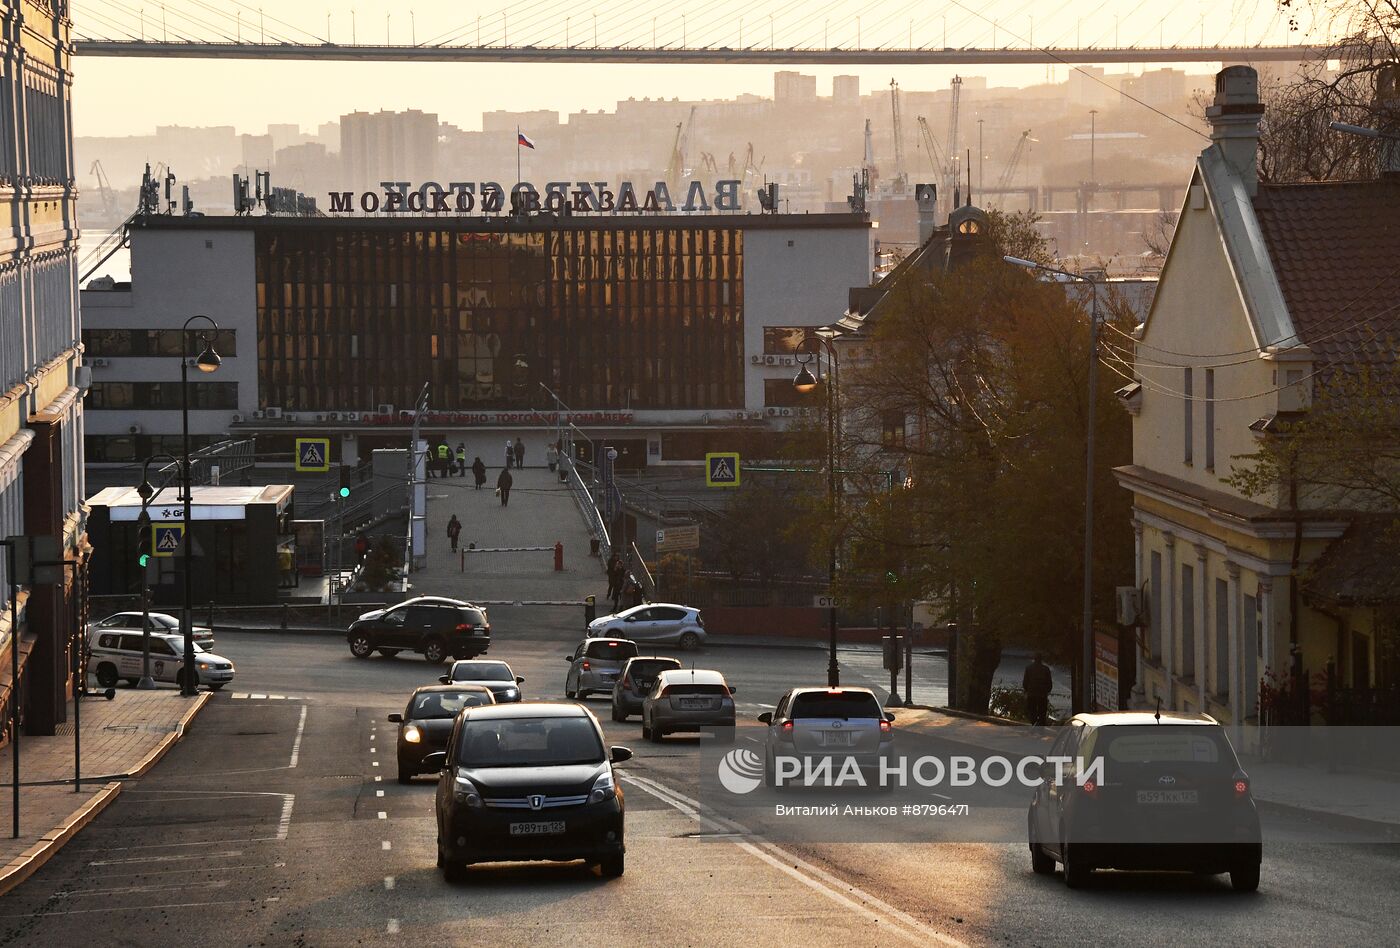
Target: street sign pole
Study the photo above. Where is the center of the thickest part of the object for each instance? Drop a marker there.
(11, 546)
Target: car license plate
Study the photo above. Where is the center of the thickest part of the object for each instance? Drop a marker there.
(537, 829)
(1166, 796)
(837, 738)
(695, 704)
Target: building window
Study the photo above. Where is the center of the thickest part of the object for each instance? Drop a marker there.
(110, 343)
(1188, 623)
(1251, 647)
(892, 429)
(1210, 419)
(154, 396)
(784, 340)
(1189, 408)
(127, 448)
(1222, 637)
(1154, 606)
(779, 393)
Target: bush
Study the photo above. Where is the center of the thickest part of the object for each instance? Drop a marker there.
(1011, 703)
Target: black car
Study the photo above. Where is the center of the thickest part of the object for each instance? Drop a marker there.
(434, 627)
(1168, 794)
(637, 677)
(489, 673)
(426, 722)
(528, 781)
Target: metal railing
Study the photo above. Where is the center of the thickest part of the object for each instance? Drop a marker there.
(587, 507)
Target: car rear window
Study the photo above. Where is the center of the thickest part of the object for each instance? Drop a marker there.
(481, 671)
(473, 616)
(1161, 743)
(651, 667)
(697, 689)
(446, 704)
(845, 704)
(611, 649)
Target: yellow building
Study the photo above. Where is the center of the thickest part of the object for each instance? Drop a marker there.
(1265, 288)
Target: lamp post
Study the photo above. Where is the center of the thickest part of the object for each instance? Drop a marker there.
(807, 353)
(207, 361)
(1087, 645)
(143, 523)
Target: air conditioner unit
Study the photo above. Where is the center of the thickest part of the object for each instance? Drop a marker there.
(772, 413)
(290, 416)
(133, 429)
(756, 414)
(787, 412)
(1129, 605)
(99, 363)
(273, 413)
(321, 419)
(332, 416)
(770, 360)
(236, 419)
(351, 416)
(259, 415)
(787, 360)
(756, 359)
(386, 409)
(741, 416)
(705, 418)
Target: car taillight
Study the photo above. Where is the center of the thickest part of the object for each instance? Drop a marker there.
(785, 732)
(1090, 788)
(886, 727)
(585, 665)
(463, 627)
(627, 682)
(1241, 786)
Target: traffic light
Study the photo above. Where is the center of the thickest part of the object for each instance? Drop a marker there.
(144, 539)
(344, 493)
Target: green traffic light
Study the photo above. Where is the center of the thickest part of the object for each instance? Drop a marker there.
(145, 558)
(345, 492)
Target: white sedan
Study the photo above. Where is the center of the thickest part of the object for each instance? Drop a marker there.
(662, 622)
(160, 622)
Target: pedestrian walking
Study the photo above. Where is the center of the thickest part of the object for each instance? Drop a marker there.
(444, 454)
(1036, 683)
(510, 453)
(519, 452)
(614, 570)
(551, 455)
(454, 530)
(633, 593)
(479, 472)
(503, 487)
(461, 459)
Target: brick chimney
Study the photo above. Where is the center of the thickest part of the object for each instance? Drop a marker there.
(1234, 122)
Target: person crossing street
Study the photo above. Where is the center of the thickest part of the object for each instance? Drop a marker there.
(454, 530)
(503, 487)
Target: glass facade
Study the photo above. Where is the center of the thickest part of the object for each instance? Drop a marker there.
(627, 314)
(153, 342)
(151, 396)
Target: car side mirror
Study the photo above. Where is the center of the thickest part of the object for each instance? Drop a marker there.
(889, 717)
(619, 754)
(733, 690)
(569, 659)
(1033, 770)
(766, 717)
(436, 760)
(445, 679)
(520, 679)
(396, 718)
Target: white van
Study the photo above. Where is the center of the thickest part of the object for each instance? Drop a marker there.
(118, 655)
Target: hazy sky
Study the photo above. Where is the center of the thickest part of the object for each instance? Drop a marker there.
(132, 96)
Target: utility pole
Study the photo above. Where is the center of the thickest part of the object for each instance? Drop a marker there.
(1093, 139)
(981, 154)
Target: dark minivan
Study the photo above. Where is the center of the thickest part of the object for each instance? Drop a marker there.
(435, 628)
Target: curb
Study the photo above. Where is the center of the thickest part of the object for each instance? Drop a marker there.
(168, 741)
(28, 862)
(278, 630)
(1338, 821)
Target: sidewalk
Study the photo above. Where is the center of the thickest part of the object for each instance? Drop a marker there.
(1347, 800)
(121, 738)
(542, 512)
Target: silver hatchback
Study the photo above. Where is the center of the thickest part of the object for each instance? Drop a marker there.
(688, 699)
(595, 666)
(826, 722)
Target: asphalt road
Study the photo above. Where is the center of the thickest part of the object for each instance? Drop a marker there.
(277, 821)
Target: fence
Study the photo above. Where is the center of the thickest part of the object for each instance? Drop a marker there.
(583, 497)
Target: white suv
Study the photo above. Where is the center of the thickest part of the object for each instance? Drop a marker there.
(118, 655)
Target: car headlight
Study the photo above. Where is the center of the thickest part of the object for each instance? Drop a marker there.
(603, 788)
(412, 734)
(464, 791)
(509, 692)
(203, 666)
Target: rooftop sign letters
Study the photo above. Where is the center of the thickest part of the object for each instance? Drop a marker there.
(573, 197)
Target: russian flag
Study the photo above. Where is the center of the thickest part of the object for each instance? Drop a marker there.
(523, 140)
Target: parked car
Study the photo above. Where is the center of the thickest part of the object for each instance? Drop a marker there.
(160, 622)
(426, 722)
(1171, 795)
(595, 666)
(117, 655)
(827, 722)
(525, 782)
(660, 622)
(688, 699)
(435, 628)
(637, 677)
(488, 673)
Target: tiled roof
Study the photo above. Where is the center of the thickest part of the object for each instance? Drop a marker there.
(1336, 249)
(1359, 568)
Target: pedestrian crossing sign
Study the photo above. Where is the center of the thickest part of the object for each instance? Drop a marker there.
(314, 454)
(722, 469)
(166, 538)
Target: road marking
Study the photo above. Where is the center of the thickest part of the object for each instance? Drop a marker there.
(257, 696)
(296, 744)
(374, 750)
(139, 908)
(393, 927)
(130, 859)
(386, 845)
(122, 873)
(377, 778)
(371, 735)
(388, 882)
(851, 897)
(383, 815)
(129, 889)
(374, 763)
(379, 793)
(285, 823)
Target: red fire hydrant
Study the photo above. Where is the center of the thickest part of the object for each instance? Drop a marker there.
(559, 557)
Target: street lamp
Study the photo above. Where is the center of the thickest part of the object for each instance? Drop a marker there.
(1087, 645)
(143, 525)
(207, 361)
(806, 382)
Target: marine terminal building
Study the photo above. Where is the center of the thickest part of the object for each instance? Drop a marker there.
(662, 333)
